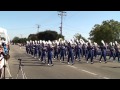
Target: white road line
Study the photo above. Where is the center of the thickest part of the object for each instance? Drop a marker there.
(106, 78)
(72, 66)
(82, 70)
(89, 72)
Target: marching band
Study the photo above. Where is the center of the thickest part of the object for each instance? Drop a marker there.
(73, 50)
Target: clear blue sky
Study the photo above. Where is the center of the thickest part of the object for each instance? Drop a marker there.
(23, 23)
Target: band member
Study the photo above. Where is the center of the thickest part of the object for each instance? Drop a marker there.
(65, 50)
(43, 57)
(117, 51)
(49, 52)
(39, 50)
(27, 47)
(103, 51)
(35, 49)
(56, 48)
(112, 51)
(62, 52)
(77, 51)
(31, 48)
(90, 53)
(83, 50)
(70, 53)
(95, 50)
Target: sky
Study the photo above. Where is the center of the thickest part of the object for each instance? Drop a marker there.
(23, 23)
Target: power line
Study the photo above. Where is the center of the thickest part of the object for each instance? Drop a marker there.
(62, 13)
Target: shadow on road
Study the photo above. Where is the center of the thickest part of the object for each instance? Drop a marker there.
(112, 66)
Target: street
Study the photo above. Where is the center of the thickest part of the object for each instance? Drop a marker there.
(33, 68)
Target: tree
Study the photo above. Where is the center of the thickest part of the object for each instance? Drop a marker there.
(79, 36)
(19, 40)
(60, 36)
(16, 40)
(32, 37)
(49, 35)
(23, 40)
(108, 31)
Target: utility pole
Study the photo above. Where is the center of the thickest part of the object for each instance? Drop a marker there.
(38, 26)
(61, 13)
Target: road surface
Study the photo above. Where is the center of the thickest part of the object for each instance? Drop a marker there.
(33, 68)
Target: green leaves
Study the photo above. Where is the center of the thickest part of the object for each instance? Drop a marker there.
(108, 31)
(46, 35)
(79, 36)
(19, 40)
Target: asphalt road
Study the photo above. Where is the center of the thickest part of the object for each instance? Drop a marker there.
(33, 69)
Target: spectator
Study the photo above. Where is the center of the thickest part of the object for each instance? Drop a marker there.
(1, 59)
